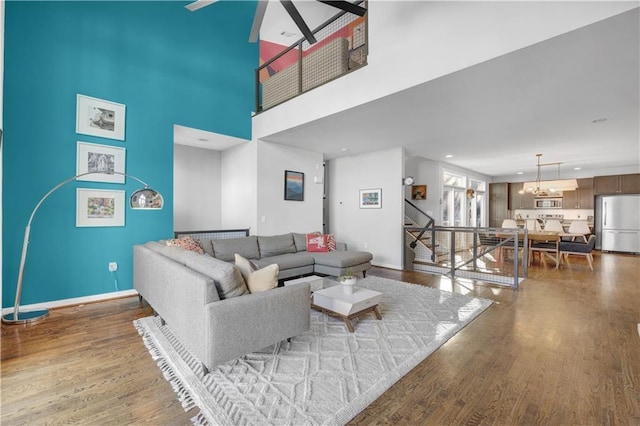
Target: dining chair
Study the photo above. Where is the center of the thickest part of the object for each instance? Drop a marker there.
(509, 223)
(579, 228)
(532, 225)
(578, 248)
(553, 225)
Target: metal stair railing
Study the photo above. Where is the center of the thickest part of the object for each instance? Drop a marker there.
(422, 221)
(465, 251)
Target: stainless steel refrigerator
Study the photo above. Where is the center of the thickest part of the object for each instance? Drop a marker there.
(618, 223)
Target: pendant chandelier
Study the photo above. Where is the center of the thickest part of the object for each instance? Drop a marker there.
(549, 187)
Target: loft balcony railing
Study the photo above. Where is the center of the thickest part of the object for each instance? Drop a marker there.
(342, 47)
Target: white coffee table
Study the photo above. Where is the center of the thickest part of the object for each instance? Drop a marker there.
(334, 301)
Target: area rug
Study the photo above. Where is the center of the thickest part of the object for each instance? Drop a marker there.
(325, 376)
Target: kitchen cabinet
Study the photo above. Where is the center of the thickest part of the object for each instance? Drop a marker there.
(498, 204)
(518, 200)
(581, 198)
(617, 184)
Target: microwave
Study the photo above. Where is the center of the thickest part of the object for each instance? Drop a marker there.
(548, 203)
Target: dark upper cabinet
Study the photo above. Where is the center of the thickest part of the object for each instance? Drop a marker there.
(498, 204)
(617, 184)
(581, 198)
(519, 199)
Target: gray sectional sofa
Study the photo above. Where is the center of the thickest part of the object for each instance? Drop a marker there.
(204, 300)
(289, 251)
(201, 301)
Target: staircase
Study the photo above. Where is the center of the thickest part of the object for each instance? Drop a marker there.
(420, 235)
(464, 252)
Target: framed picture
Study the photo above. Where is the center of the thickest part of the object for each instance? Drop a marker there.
(99, 207)
(371, 198)
(293, 185)
(101, 118)
(102, 161)
(418, 192)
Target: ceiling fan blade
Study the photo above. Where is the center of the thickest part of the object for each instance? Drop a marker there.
(199, 4)
(295, 15)
(346, 6)
(257, 20)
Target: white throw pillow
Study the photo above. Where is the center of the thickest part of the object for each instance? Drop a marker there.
(257, 279)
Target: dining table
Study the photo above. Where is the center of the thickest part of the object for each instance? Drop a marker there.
(551, 250)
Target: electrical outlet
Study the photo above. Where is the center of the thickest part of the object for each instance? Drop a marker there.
(365, 245)
(113, 266)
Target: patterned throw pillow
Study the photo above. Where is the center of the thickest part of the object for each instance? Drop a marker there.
(186, 243)
(317, 242)
(331, 242)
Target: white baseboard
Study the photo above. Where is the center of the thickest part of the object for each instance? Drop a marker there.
(387, 265)
(71, 302)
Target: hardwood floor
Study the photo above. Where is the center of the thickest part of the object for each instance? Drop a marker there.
(563, 349)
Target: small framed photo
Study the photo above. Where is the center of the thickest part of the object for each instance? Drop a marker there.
(293, 185)
(97, 117)
(101, 161)
(418, 192)
(371, 198)
(99, 207)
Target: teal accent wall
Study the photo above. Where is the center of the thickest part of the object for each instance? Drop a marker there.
(167, 65)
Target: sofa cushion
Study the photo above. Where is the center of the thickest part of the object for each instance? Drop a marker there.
(177, 254)
(227, 277)
(155, 246)
(301, 241)
(207, 245)
(287, 261)
(342, 259)
(276, 244)
(226, 249)
(257, 279)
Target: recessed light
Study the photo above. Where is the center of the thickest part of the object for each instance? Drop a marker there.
(520, 173)
(577, 168)
(344, 149)
(287, 34)
(448, 156)
(203, 139)
(599, 120)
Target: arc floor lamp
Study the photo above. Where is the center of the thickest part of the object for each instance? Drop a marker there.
(142, 199)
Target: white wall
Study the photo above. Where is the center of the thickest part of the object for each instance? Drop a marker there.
(239, 190)
(275, 215)
(412, 42)
(376, 230)
(196, 188)
(426, 172)
(429, 172)
(1, 115)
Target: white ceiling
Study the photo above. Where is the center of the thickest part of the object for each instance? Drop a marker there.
(277, 21)
(494, 117)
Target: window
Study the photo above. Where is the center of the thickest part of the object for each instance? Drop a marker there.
(453, 195)
(463, 200)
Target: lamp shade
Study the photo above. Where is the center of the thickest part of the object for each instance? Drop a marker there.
(146, 199)
(551, 186)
